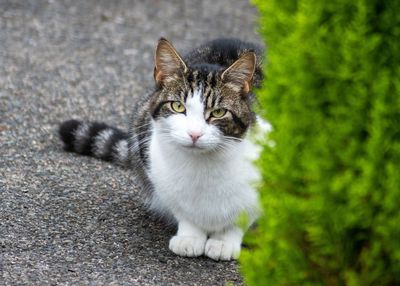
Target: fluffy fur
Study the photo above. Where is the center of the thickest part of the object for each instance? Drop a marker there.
(188, 142)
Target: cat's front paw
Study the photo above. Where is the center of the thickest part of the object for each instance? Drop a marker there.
(189, 246)
(222, 250)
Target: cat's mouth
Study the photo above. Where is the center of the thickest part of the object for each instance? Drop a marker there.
(194, 147)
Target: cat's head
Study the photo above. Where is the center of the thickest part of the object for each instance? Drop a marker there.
(202, 107)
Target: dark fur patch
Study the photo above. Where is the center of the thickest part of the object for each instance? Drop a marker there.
(67, 132)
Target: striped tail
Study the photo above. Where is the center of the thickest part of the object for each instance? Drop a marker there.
(95, 139)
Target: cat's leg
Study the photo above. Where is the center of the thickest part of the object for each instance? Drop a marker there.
(224, 245)
(189, 240)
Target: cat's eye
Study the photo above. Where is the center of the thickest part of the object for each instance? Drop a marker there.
(218, 113)
(178, 106)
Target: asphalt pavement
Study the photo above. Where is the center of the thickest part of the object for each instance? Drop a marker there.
(72, 220)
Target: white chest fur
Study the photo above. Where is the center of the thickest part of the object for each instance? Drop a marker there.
(208, 189)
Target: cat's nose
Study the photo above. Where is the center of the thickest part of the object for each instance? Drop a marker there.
(195, 136)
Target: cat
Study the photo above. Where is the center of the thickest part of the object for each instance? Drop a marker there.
(189, 144)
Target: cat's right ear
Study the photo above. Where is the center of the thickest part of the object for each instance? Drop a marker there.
(168, 63)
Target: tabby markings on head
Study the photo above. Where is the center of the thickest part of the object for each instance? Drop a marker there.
(221, 90)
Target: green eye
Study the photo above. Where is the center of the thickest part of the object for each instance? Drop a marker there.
(177, 106)
(218, 113)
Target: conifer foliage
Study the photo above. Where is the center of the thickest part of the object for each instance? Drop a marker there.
(331, 178)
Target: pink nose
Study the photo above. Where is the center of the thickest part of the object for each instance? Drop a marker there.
(195, 136)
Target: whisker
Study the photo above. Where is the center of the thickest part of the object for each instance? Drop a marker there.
(140, 127)
(135, 135)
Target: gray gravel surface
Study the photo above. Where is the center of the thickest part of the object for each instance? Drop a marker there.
(67, 219)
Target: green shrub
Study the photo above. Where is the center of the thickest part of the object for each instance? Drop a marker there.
(331, 182)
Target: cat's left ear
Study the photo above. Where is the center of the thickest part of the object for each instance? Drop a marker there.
(239, 75)
(168, 63)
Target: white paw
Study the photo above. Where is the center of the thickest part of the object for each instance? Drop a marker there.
(189, 246)
(222, 250)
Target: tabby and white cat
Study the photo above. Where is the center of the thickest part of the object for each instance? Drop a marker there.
(189, 144)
